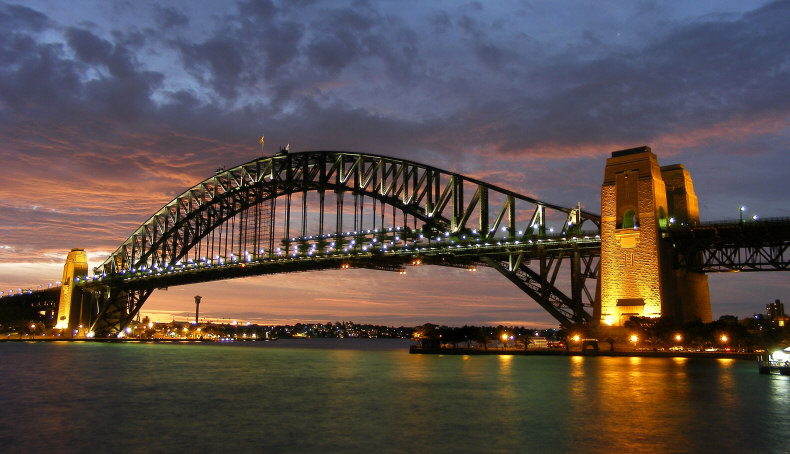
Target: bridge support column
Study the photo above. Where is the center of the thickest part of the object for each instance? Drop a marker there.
(70, 303)
(117, 308)
(577, 284)
(639, 200)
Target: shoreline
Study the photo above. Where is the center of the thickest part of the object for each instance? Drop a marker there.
(417, 350)
(561, 352)
(135, 340)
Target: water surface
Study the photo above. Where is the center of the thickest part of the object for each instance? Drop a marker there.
(372, 396)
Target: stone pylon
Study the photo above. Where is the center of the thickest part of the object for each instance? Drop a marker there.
(640, 201)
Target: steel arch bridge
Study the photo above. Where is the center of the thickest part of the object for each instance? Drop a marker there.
(335, 209)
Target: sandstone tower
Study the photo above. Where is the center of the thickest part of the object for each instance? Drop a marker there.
(639, 201)
(70, 298)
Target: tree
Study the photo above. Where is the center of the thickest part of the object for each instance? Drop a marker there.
(610, 340)
(526, 340)
(467, 334)
(428, 335)
(481, 337)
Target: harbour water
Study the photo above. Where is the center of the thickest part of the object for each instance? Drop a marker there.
(327, 395)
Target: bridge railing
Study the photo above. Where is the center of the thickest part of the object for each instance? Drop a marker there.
(351, 244)
(772, 221)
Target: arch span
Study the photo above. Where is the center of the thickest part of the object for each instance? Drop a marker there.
(298, 204)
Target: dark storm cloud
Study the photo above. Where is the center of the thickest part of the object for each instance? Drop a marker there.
(89, 48)
(17, 17)
(698, 75)
(33, 75)
(221, 56)
(441, 22)
(40, 80)
(168, 17)
(334, 52)
(695, 69)
(263, 68)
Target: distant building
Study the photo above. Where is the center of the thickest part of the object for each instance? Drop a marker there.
(538, 342)
(776, 313)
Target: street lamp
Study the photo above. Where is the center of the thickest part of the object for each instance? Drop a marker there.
(504, 340)
(678, 338)
(634, 340)
(740, 212)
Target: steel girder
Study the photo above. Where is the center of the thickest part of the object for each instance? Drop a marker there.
(541, 285)
(31, 305)
(116, 307)
(733, 246)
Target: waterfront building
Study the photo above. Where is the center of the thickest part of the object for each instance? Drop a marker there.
(776, 313)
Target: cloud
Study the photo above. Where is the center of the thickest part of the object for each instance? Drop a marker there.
(89, 48)
(169, 17)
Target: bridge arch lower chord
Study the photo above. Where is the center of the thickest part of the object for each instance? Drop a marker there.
(221, 219)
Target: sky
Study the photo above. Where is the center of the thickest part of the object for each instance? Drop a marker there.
(110, 109)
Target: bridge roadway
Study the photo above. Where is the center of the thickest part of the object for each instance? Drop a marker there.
(387, 251)
(732, 246)
(717, 246)
(377, 250)
(390, 255)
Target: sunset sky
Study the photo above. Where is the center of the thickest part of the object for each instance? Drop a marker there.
(109, 109)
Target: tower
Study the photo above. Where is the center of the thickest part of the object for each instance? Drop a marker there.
(69, 304)
(639, 201)
(197, 308)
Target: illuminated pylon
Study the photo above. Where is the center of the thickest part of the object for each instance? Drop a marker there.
(76, 266)
(638, 200)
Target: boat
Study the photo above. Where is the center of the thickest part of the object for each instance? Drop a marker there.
(777, 362)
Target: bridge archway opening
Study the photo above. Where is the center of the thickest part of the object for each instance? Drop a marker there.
(629, 219)
(435, 294)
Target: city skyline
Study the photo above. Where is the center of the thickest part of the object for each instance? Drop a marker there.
(109, 111)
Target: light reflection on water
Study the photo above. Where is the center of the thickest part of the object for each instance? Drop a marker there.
(353, 397)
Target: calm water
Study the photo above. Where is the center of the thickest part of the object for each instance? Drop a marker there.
(372, 396)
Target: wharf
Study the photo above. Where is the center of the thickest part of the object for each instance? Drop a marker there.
(415, 349)
(770, 367)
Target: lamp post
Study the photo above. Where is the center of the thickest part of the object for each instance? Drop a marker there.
(576, 339)
(634, 340)
(740, 213)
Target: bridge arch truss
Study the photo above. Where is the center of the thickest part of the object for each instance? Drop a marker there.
(327, 208)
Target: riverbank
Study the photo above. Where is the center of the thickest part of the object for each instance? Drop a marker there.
(133, 340)
(415, 349)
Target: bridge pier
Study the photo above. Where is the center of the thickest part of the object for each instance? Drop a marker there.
(70, 305)
(639, 201)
